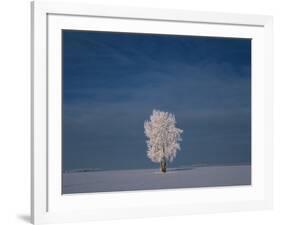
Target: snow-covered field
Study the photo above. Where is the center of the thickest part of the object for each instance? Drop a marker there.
(148, 179)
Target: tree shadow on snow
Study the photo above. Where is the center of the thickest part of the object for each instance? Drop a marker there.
(180, 168)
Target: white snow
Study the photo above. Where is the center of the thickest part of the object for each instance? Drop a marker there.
(151, 179)
(163, 136)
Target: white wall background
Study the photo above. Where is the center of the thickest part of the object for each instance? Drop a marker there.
(15, 110)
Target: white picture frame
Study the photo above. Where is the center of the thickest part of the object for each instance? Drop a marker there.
(48, 205)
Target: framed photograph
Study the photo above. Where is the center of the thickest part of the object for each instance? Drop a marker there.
(140, 112)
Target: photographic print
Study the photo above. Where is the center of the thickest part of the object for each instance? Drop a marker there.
(154, 111)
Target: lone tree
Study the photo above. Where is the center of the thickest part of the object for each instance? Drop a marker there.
(163, 138)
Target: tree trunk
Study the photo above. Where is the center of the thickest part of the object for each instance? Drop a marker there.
(163, 165)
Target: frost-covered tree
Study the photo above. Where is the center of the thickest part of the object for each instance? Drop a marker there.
(163, 138)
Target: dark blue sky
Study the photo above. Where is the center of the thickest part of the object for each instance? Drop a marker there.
(113, 81)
